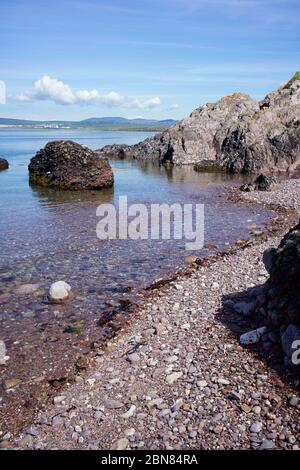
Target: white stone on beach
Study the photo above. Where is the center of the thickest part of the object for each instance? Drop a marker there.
(3, 356)
(59, 291)
(173, 377)
(130, 412)
(121, 444)
(252, 337)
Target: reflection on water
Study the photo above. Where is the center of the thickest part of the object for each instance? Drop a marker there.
(187, 174)
(47, 235)
(49, 197)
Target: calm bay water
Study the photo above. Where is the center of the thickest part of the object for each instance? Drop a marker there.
(48, 235)
(35, 220)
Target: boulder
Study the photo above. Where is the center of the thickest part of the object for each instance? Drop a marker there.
(262, 183)
(4, 165)
(269, 257)
(282, 302)
(237, 133)
(68, 165)
(59, 292)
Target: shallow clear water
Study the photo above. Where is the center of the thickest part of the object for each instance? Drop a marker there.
(47, 235)
(36, 220)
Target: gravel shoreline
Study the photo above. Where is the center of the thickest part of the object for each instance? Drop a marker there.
(176, 377)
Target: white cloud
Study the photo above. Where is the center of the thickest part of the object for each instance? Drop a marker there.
(113, 99)
(87, 95)
(23, 97)
(173, 107)
(51, 89)
(145, 104)
(93, 96)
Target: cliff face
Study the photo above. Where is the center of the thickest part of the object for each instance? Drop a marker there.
(238, 133)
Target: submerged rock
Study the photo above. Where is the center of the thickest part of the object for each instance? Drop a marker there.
(4, 165)
(209, 166)
(59, 292)
(68, 165)
(25, 289)
(236, 133)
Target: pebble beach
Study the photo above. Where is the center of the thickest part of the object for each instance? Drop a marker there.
(176, 376)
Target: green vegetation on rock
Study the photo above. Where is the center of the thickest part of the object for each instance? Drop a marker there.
(207, 166)
(293, 79)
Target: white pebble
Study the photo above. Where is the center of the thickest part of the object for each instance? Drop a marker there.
(59, 291)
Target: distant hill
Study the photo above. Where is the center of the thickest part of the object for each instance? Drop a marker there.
(101, 123)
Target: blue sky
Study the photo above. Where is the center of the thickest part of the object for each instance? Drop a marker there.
(73, 59)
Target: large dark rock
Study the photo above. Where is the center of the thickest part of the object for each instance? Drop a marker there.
(68, 165)
(3, 164)
(238, 133)
(282, 305)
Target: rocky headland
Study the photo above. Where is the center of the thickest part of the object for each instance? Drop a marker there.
(236, 134)
(69, 165)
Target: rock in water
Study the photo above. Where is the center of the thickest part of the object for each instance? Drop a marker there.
(262, 183)
(236, 133)
(59, 292)
(64, 164)
(3, 164)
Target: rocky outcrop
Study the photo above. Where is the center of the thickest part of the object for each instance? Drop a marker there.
(3, 164)
(68, 165)
(282, 303)
(262, 183)
(237, 133)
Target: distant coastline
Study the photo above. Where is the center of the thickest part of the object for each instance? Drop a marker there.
(108, 129)
(103, 124)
